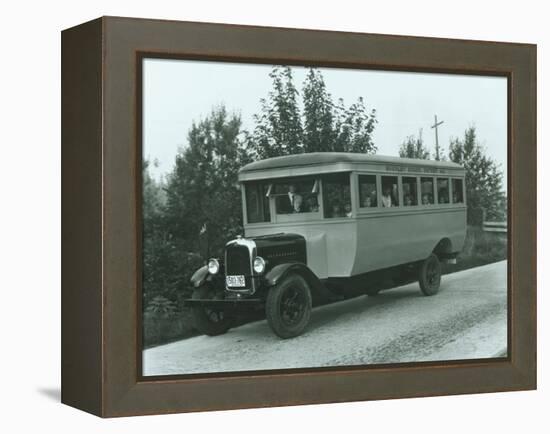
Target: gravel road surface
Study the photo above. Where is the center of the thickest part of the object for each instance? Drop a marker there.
(466, 319)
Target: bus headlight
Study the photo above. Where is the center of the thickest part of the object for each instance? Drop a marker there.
(259, 265)
(213, 266)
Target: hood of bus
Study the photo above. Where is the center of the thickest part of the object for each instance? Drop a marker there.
(281, 248)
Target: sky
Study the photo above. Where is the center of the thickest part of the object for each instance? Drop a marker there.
(177, 93)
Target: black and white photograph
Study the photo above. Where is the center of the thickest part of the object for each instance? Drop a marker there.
(313, 217)
(279, 217)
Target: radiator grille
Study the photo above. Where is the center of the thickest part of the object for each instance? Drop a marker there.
(237, 261)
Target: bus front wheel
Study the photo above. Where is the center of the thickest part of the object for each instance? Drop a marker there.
(208, 321)
(429, 276)
(288, 306)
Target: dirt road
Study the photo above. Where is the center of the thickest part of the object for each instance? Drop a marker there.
(466, 319)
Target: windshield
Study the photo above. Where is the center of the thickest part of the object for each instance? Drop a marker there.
(257, 202)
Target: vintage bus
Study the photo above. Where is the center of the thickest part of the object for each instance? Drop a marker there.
(324, 225)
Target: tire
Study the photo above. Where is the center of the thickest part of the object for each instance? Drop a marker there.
(208, 321)
(429, 275)
(288, 306)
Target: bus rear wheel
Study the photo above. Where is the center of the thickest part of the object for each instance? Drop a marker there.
(429, 275)
(288, 306)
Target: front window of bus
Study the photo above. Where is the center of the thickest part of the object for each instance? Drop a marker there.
(296, 196)
(257, 202)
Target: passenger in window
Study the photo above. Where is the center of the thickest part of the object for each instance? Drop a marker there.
(443, 198)
(426, 200)
(387, 201)
(373, 200)
(312, 205)
(367, 203)
(394, 195)
(296, 200)
(408, 200)
(336, 210)
(347, 209)
(370, 200)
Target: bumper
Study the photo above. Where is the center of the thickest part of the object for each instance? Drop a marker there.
(448, 258)
(232, 304)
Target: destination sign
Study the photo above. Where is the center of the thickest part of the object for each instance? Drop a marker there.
(422, 169)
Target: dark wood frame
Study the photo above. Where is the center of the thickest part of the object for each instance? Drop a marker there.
(101, 181)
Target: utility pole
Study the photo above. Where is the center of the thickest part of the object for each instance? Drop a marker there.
(435, 125)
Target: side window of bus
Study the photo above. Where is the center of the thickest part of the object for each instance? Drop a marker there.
(295, 196)
(257, 204)
(390, 192)
(410, 192)
(336, 195)
(458, 193)
(442, 190)
(367, 191)
(427, 191)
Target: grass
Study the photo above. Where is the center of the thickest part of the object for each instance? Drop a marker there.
(480, 248)
(158, 329)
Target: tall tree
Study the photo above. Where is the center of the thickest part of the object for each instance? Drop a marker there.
(330, 127)
(203, 205)
(153, 197)
(483, 176)
(322, 125)
(318, 114)
(413, 147)
(157, 250)
(278, 128)
(354, 127)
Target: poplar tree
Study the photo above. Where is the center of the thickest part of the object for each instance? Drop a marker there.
(413, 147)
(278, 128)
(318, 114)
(283, 127)
(484, 176)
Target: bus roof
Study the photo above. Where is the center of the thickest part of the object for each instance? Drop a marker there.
(331, 162)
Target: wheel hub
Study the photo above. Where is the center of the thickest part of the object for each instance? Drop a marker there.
(292, 306)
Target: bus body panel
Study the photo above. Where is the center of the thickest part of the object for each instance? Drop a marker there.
(353, 246)
(399, 237)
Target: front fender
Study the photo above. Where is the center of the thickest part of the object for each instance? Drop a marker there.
(279, 272)
(199, 277)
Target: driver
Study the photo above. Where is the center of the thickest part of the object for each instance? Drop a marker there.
(296, 200)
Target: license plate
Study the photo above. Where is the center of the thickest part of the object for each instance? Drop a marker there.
(235, 281)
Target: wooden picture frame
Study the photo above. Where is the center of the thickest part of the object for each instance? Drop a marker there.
(101, 244)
